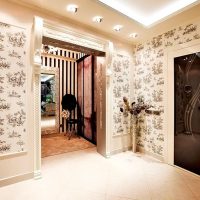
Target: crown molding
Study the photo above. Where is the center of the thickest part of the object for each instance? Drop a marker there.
(68, 35)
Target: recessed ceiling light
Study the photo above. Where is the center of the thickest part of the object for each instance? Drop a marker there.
(118, 28)
(72, 8)
(97, 19)
(133, 35)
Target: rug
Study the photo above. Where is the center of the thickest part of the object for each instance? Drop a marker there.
(48, 131)
(59, 144)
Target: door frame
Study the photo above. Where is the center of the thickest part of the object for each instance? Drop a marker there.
(179, 50)
(42, 28)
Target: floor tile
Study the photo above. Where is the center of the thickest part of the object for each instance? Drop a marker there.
(86, 175)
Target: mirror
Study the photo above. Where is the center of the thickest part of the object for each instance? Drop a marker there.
(49, 101)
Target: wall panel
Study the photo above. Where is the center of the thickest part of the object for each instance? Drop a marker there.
(13, 85)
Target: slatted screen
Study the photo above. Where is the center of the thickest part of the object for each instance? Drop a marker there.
(65, 61)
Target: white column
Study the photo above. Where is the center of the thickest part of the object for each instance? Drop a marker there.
(37, 44)
(109, 97)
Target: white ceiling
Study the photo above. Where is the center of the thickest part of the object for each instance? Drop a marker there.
(148, 12)
(145, 8)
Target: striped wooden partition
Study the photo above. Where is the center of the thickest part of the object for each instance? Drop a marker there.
(65, 60)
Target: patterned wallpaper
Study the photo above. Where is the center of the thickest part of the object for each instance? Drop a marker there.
(12, 89)
(121, 87)
(150, 60)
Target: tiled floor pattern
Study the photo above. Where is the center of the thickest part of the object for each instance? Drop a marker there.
(86, 175)
(55, 144)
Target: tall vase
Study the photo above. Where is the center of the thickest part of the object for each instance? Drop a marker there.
(133, 131)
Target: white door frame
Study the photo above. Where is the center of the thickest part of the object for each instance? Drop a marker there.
(43, 27)
(180, 50)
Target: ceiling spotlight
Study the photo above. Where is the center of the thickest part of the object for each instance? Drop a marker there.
(133, 35)
(97, 19)
(72, 8)
(117, 28)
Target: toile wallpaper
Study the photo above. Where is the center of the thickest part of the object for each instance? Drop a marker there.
(121, 87)
(12, 89)
(150, 61)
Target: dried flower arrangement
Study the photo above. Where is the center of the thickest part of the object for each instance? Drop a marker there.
(136, 108)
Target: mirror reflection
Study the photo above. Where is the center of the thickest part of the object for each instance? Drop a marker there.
(48, 105)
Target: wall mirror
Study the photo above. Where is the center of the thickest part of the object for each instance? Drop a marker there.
(49, 100)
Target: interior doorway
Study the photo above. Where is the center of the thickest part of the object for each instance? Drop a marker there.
(187, 112)
(74, 38)
(75, 70)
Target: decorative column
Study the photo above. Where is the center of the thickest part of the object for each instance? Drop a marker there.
(37, 45)
(109, 97)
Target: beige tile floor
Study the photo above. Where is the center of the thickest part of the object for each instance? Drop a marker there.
(86, 175)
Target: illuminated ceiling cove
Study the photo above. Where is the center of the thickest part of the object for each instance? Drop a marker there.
(148, 12)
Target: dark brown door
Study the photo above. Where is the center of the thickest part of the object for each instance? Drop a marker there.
(187, 112)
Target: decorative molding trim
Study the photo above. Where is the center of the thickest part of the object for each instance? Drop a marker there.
(11, 155)
(15, 179)
(37, 45)
(67, 35)
(37, 125)
(109, 78)
(37, 69)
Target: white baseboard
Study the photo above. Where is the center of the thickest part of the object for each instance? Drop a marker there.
(16, 179)
(37, 175)
(142, 150)
(116, 151)
(187, 171)
(107, 155)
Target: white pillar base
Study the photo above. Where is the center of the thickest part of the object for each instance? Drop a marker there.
(37, 175)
